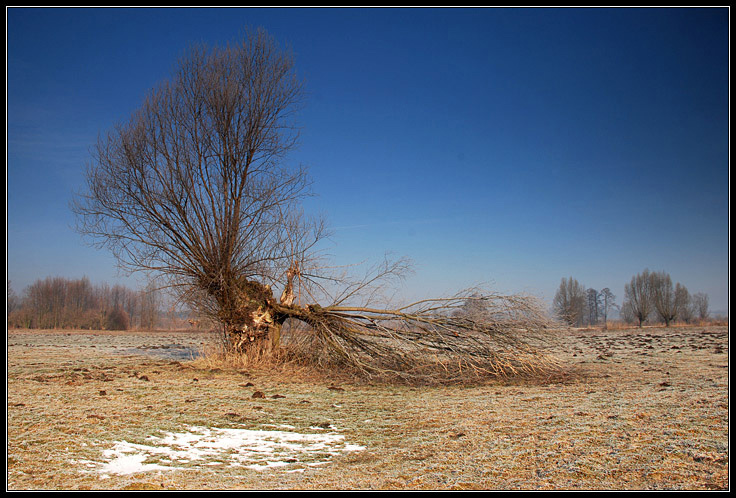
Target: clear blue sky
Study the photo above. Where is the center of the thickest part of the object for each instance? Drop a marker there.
(508, 147)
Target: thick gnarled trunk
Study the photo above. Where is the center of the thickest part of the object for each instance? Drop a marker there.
(261, 332)
(252, 317)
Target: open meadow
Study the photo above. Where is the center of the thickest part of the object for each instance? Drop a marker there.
(635, 409)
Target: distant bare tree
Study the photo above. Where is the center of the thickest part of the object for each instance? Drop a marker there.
(149, 303)
(131, 305)
(663, 297)
(46, 299)
(627, 313)
(700, 305)
(638, 296)
(83, 304)
(592, 306)
(683, 303)
(607, 303)
(13, 301)
(569, 301)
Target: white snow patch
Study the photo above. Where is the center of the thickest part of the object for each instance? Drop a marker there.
(254, 449)
(130, 464)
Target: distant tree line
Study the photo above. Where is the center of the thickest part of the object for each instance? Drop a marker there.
(648, 297)
(60, 303)
(578, 306)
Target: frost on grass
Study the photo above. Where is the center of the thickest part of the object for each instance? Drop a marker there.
(205, 446)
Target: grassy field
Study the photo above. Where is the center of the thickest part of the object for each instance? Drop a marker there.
(636, 409)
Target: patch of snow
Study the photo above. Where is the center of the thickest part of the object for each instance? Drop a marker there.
(124, 464)
(253, 449)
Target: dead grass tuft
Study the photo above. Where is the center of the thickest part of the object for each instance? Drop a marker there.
(280, 365)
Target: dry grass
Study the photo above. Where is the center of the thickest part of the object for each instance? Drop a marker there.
(636, 409)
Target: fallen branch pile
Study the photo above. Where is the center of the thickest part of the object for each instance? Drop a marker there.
(446, 339)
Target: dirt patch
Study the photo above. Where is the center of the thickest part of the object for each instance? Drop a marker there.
(638, 409)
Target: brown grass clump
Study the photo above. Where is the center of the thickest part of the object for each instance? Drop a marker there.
(217, 356)
(279, 364)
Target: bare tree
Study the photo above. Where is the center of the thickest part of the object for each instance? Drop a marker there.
(700, 305)
(627, 313)
(148, 304)
(12, 299)
(569, 301)
(592, 306)
(683, 303)
(607, 303)
(638, 296)
(663, 297)
(194, 187)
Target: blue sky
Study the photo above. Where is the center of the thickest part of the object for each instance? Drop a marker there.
(506, 147)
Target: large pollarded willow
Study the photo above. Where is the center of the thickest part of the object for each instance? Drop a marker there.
(193, 187)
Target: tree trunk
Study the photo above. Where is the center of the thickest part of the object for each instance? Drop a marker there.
(258, 332)
(252, 322)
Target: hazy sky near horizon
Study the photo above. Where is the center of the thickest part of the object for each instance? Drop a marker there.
(505, 147)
